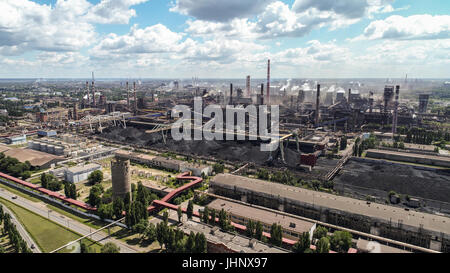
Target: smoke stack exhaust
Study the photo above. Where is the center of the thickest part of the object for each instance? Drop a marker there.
(87, 88)
(268, 82)
(248, 87)
(317, 105)
(395, 116)
(135, 99)
(128, 97)
(231, 94)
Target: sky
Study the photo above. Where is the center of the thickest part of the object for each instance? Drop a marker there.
(224, 38)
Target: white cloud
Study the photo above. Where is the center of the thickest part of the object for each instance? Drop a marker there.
(113, 11)
(219, 10)
(415, 27)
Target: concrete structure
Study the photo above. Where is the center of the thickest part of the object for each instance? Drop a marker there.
(16, 140)
(37, 159)
(47, 133)
(165, 163)
(423, 103)
(120, 175)
(365, 246)
(421, 229)
(441, 161)
(241, 214)
(80, 173)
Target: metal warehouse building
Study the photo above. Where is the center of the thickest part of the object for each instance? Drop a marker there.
(421, 229)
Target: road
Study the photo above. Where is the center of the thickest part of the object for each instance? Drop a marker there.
(22, 230)
(41, 209)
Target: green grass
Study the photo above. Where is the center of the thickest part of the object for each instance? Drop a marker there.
(47, 234)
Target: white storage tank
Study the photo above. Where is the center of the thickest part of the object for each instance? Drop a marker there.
(51, 149)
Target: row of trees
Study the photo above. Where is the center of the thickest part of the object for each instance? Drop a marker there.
(70, 190)
(14, 167)
(50, 182)
(339, 241)
(19, 245)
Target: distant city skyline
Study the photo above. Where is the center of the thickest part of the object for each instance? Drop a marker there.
(162, 39)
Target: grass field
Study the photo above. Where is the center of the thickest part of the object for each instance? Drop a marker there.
(48, 235)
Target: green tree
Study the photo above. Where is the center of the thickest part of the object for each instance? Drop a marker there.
(320, 232)
(323, 246)
(276, 234)
(110, 248)
(303, 243)
(95, 177)
(250, 229)
(206, 215)
(341, 241)
(200, 243)
(118, 207)
(218, 168)
(190, 209)
(343, 145)
(259, 231)
(212, 219)
(180, 213)
(141, 228)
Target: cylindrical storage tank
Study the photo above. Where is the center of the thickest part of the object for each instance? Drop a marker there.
(44, 147)
(120, 175)
(51, 149)
(59, 150)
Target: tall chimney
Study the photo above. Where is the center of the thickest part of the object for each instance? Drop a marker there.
(268, 82)
(75, 111)
(349, 95)
(231, 94)
(135, 99)
(248, 87)
(262, 94)
(317, 105)
(87, 88)
(395, 117)
(93, 93)
(128, 97)
(370, 102)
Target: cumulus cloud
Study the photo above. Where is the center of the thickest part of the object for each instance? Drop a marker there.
(415, 27)
(113, 11)
(152, 39)
(66, 26)
(219, 11)
(277, 19)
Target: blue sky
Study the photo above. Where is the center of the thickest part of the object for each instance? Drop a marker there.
(224, 39)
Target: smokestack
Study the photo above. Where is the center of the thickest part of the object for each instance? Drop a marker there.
(262, 94)
(135, 99)
(93, 93)
(371, 102)
(128, 97)
(395, 117)
(75, 111)
(317, 105)
(231, 94)
(248, 87)
(87, 88)
(349, 94)
(268, 81)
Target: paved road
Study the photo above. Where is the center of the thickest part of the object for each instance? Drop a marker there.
(22, 231)
(41, 209)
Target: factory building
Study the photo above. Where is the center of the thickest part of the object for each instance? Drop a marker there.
(165, 163)
(120, 175)
(80, 173)
(241, 214)
(441, 161)
(417, 228)
(16, 140)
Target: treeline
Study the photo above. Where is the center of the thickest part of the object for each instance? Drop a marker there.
(172, 239)
(19, 245)
(423, 136)
(14, 167)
